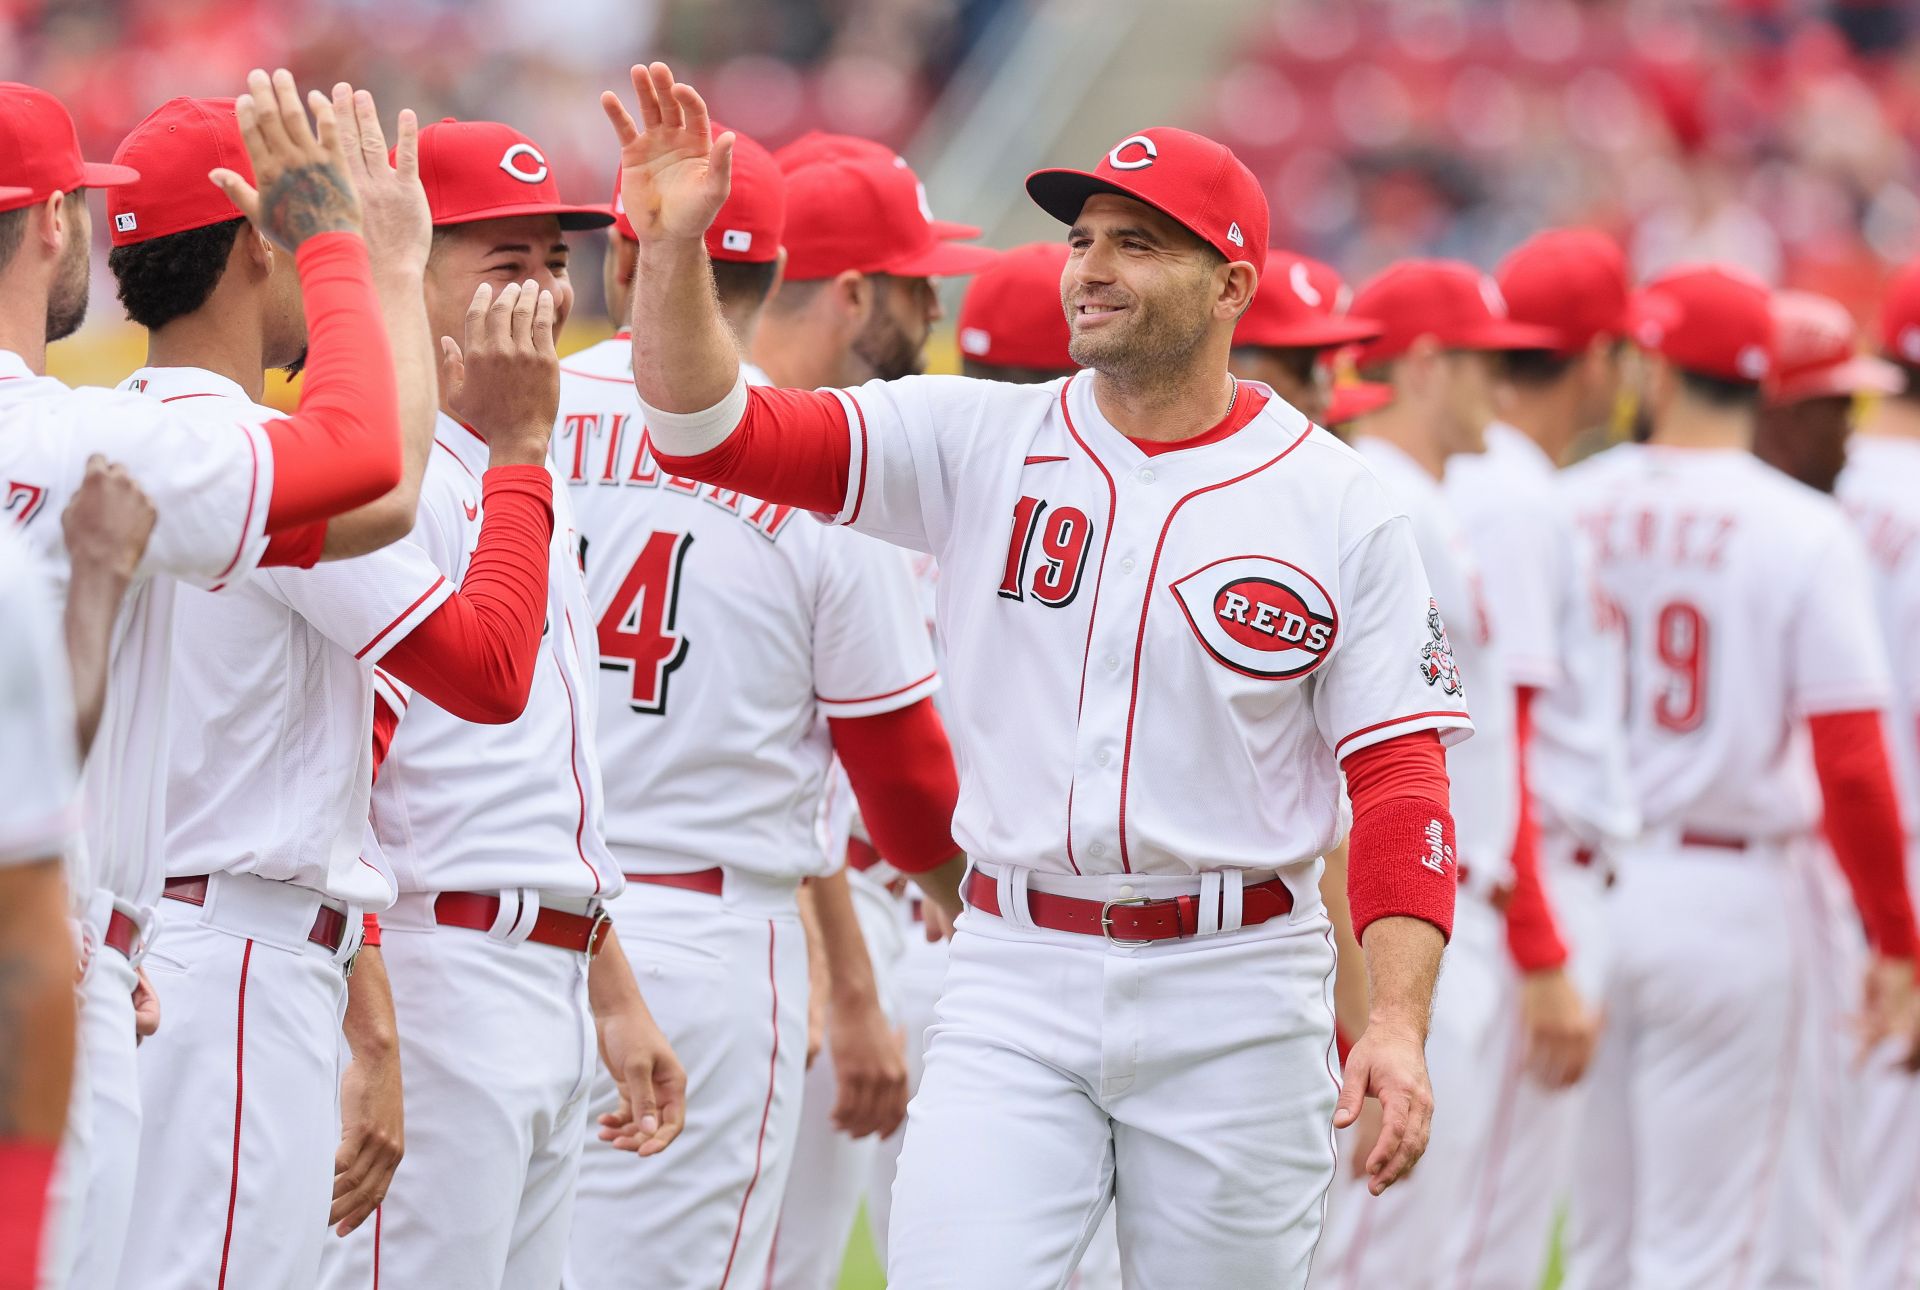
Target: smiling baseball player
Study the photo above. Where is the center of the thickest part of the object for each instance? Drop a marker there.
(1150, 557)
(229, 496)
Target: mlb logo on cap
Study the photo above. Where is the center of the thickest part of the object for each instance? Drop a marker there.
(125, 222)
(736, 239)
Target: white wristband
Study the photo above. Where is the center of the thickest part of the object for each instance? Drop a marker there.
(688, 434)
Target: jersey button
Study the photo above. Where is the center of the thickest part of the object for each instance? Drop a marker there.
(1112, 662)
(1104, 757)
(1126, 565)
(1097, 849)
(1146, 476)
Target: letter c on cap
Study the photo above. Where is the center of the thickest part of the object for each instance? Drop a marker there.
(1146, 146)
(536, 175)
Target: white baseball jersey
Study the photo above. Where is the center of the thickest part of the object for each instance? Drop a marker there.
(271, 759)
(210, 483)
(39, 760)
(727, 628)
(1484, 771)
(1559, 635)
(467, 807)
(1880, 490)
(1153, 661)
(1748, 605)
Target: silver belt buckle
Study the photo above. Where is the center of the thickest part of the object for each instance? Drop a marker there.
(601, 918)
(1106, 921)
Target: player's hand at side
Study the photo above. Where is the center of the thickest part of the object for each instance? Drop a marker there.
(108, 522)
(674, 175)
(146, 1007)
(300, 187)
(393, 202)
(1889, 1007)
(652, 1083)
(1561, 1031)
(870, 1069)
(372, 1138)
(1389, 1062)
(503, 378)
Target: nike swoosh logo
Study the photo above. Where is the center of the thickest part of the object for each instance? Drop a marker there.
(1041, 461)
(473, 512)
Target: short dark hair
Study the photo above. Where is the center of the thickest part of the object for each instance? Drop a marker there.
(169, 277)
(744, 284)
(13, 231)
(1536, 367)
(1720, 391)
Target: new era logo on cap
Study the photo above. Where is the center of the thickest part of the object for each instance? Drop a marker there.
(1235, 236)
(125, 222)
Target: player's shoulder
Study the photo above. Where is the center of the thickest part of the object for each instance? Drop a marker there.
(600, 371)
(961, 398)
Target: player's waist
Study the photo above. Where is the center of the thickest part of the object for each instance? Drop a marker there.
(296, 918)
(512, 917)
(745, 888)
(1138, 909)
(748, 861)
(1710, 841)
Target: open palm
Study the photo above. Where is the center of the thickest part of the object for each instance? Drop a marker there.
(674, 175)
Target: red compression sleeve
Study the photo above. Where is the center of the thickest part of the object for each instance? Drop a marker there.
(341, 449)
(385, 722)
(370, 931)
(1533, 938)
(790, 447)
(1400, 858)
(901, 769)
(474, 655)
(1863, 824)
(296, 548)
(26, 1168)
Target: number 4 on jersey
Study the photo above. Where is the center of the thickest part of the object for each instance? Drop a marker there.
(637, 633)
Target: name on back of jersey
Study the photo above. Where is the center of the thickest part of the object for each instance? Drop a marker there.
(602, 449)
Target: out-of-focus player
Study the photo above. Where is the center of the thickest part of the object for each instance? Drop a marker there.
(1299, 313)
(1563, 655)
(229, 498)
(742, 644)
(1749, 611)
(1441, 325)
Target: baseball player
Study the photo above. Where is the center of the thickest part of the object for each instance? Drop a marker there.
(1298, 315)
(1135, 756)
(505, 970)
(858, 227)
(229, 498)
(1749, 610)
(1563, 657)
(1010, 327)
(1440, 325)
(1876, 488)
(266, 884)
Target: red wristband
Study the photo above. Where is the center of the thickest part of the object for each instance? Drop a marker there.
(1400, 862)
(26, 1169)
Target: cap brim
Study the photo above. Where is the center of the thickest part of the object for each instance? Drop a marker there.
(1861, 374)
(1061, 194)
(1317, 333)
(104, 174)
(948, 231)
(1504, 335)
(573, 219)
(1356, 399)
(942, 260)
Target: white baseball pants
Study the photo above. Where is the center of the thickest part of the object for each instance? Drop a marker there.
(1396, 1239)
(1887, 1247)
(1693, 1083)
(240, 1090)
(1190, 1084)
(726, 978)
(1503, 1225)
(497, 1052)
(831, 1171)
(922, 972)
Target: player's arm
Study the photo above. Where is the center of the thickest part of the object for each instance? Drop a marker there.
(106, 526)
(372, 1119)
(869, 1061)
(901, 768)
(652, 1083)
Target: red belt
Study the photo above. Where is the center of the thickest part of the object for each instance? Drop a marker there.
(1135, 920)
(478, 912)
(708, 882)
(329, 924)
(1712, 842)
(122, 932)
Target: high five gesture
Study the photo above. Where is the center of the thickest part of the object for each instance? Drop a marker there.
(673, 173)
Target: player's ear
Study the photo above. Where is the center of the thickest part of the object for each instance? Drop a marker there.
(779, 276)
(259, 252)
(54, 223)
(854, 295)
(1235, 283)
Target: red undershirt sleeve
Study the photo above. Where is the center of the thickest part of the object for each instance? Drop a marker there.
(474, 655)
(901, 768)
(341, 449)
(1400, 855)
(370, 930)
(791, 447)
(1533, 938)
(385, 722)
(1863, 824)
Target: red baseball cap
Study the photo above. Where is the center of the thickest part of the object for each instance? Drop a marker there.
(1012, 316)
(1814, 354)
(41, 150)
(1185, 176)
(173, 149)
(1708, 320)
(868, 214)
(1900, 315)
(752, 219)
(1570, 280)
(1355, 399)
(818, 145)
(1301, 304)
(475, 170)
(1455, 303)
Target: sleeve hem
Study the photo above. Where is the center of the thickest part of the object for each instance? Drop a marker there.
(1451, 725)
(849, 511)
(874, 704)
(404, 623)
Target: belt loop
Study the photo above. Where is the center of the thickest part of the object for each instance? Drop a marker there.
(146, 924)
(1012, 884)
(1210, 904)
(1231, 884)
(519, 906)
(350, 940)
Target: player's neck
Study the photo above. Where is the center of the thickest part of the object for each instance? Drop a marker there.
(1165, 410)
(1894, 418)
(205, 340)
(1399, 425)
(1546, 415)
(789, 356)
(1694, 426)
(23, 323)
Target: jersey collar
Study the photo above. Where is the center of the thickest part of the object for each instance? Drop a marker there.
(1207, 457)
(13, 367)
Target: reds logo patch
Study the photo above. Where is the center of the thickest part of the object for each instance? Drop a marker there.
(1260, 616)
(1436, 656)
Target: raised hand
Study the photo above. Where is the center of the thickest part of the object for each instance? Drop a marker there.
(393, 203)
(504, 379)
(674, 175)
(300, 185)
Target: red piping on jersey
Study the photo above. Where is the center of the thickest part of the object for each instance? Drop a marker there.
(378, 1213)
(573, 761)
(595, 376)
(1782, 1102)
(875, 698)
(766, 1110)
(399, 618)
(1488, 1193)
(239, 1102)
(246, 524)
(1382, 725)
(1146, 603)
(456, 456)
(1093, 611)
(860, 493)
(197, 394)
